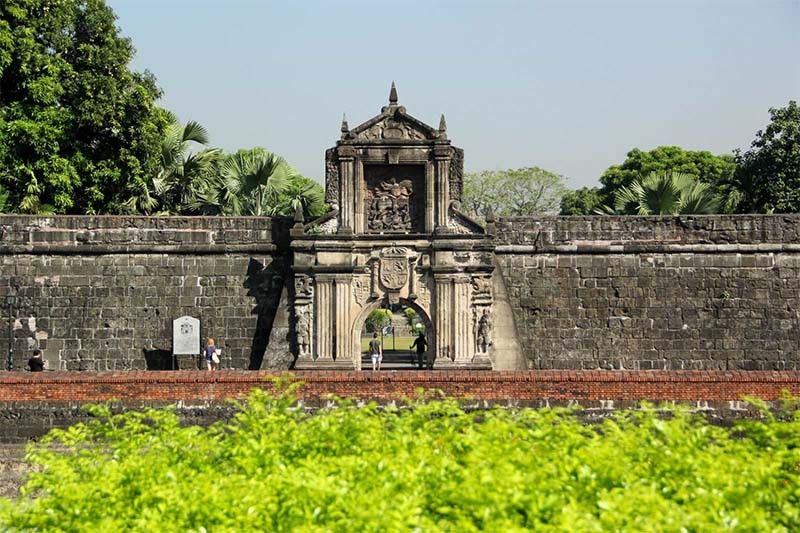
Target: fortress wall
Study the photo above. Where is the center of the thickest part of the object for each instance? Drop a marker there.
(100, 292)
(671, 293)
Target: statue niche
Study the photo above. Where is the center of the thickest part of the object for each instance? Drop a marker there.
(391, 194)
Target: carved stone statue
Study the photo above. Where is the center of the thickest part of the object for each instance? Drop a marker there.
(389, 206)
(484, 332)
(303, 331)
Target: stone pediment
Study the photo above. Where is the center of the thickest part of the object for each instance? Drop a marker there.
(394, 124)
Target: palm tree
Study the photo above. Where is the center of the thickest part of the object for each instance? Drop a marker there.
(666, 193)
(183, 174)
(259, 183)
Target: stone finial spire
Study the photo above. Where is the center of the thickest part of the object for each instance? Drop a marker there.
(393, 95)
(442, 128)
(345, 127)
(298, 213)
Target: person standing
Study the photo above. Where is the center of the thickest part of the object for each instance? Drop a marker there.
(36, 363)
(421, 344)
(376, 352)
(212, 359)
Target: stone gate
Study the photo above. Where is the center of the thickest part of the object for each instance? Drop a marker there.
(395, 235)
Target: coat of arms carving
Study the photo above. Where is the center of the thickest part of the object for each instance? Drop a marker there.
(394, 268)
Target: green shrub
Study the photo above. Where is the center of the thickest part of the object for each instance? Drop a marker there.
(428, 467)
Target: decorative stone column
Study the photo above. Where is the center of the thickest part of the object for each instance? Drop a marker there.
(341, 313)
(430, 197)
(323, 312)
(443, 311)
(442, 156)
(346, 203)
(359, 221)
(462, 334)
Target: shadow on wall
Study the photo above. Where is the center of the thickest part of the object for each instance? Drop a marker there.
(264, 283)
(159, 359)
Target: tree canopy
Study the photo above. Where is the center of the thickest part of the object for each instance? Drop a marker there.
(78, 128)
(768, 174)
(512, 192)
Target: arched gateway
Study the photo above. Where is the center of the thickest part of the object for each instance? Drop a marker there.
(395, 235)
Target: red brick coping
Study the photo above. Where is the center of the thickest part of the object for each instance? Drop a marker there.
(522, 386)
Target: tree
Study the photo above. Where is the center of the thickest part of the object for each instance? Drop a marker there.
(666, 193)
(583, 201)
(523, 191)
(716, 170)
(377, 320)
(769, 172)
(184, 174)
(256, 182)
(78, 129)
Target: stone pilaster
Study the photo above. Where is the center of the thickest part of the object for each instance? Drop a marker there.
(342, 303)
(346, 203)
(323, 313)
(430, 197)
(442, 156)
(462, 334)
(359, 221)
(443, 311)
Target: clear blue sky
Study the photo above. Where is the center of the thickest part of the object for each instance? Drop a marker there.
(567, 86)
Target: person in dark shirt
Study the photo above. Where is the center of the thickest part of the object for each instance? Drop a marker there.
(421, 345)
(36, 363)
(375, 352)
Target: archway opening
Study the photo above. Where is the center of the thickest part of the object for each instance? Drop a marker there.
(396, 327)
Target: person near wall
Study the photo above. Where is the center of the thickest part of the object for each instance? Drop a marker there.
(212, 356)
(376, 352)
(421, 344)
(36, 363)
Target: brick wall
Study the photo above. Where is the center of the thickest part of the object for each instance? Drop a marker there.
(704, 292)
(100, 293)
(517, 387)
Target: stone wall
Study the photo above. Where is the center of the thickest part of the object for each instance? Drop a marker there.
(100, 293)
(692, 292)
(704, 292)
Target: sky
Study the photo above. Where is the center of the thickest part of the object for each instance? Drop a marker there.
(567, 86)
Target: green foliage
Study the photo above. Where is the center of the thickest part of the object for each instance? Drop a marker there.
(583, 201)
(78, 129)
(513, 192)
(377, 320)
(769, 173)
(716, 170)
(666, 193)
(256, 182)
(431, 467)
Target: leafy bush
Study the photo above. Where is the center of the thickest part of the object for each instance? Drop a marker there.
(428, 467)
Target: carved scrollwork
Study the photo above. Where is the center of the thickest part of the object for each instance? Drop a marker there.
(331, 177)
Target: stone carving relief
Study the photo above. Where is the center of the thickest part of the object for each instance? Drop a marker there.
(481, 286)
(304, 330)
(456, 178)
(303, 286)
(388, 208)
(423, 293)
(392, 129)
(483, 332)
(331, 177)
(394, 268)
(457, 227)
(361, 290)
